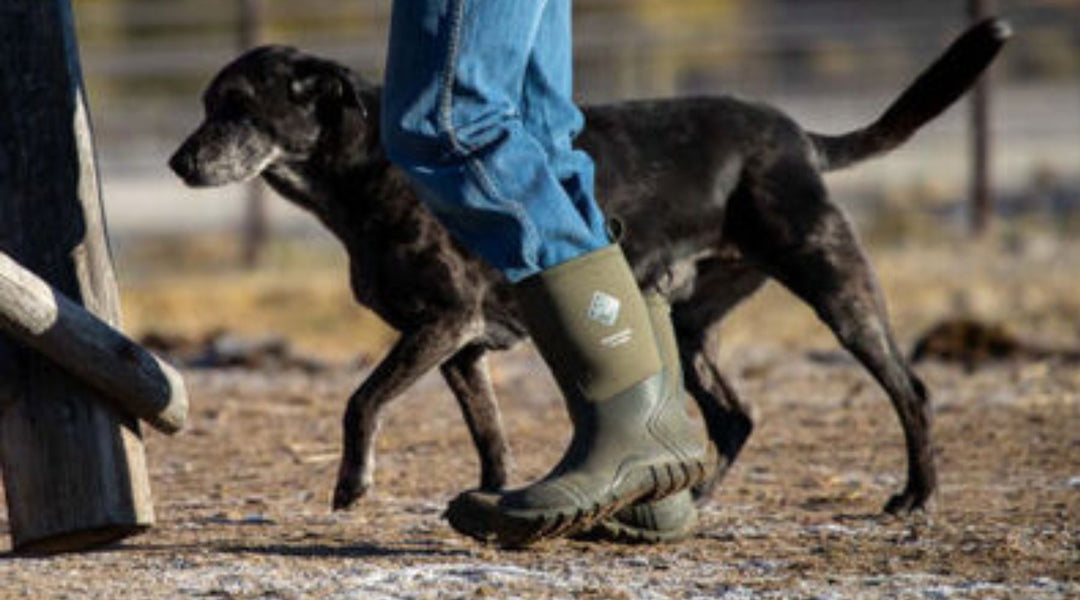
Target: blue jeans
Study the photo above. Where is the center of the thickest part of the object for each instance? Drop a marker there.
(477, 109)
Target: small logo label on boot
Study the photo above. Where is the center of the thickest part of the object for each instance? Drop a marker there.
(604, 308)
(617, 339)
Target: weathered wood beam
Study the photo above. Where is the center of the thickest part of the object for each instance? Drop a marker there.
(74, 468)
(136, 381)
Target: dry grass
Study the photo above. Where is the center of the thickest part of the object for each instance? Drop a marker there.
(1026, 282)
(192, 286)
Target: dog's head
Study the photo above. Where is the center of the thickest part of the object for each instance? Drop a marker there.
(276, 104)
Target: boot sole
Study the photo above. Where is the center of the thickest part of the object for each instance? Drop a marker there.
(669, 520)
(615, 531)
(510, 528)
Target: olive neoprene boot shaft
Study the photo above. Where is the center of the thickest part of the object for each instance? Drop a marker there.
(673, 518)
(632, 441)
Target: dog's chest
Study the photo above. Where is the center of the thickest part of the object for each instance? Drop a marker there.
(405, 268)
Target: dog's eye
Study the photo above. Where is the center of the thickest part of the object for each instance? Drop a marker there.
(301, 90)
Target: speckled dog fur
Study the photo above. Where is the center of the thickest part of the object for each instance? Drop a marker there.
(713, 196)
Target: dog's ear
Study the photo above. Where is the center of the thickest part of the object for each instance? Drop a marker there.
(333, 86)
(356, 92)
(347, 108)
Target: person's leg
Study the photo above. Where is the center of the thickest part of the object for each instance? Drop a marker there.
(551, 116)
(452, 119)
(549, 113)
(462, 139)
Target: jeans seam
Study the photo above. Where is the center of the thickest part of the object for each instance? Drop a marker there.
(462, 151)
(446, 90)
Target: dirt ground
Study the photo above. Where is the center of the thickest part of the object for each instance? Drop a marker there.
(242, 496)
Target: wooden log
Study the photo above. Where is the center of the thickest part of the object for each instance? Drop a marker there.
(74, 468)
(135, 380)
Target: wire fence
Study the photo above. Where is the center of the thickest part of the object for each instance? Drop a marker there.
(831, 63)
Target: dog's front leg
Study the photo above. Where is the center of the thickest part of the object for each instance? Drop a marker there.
(467, 375)
(413, 355)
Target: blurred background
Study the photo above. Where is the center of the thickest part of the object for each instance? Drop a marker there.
(832, 64)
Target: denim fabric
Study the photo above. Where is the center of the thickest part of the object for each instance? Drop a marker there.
(477, 110)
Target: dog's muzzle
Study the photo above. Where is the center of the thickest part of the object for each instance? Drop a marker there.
(219, 153)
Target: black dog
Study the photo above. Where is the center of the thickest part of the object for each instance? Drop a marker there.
(714, 195)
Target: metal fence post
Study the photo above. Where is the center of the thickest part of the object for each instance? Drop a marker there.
(982, 195)
(255, 227)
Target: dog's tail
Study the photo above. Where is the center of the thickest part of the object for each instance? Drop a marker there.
(928, 96)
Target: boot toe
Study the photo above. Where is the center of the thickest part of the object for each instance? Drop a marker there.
(503, 519)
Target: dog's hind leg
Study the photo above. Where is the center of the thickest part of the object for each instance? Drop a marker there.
(414, 354)
(720, 287)
(728, 422)
(788, 226)
(468, 377)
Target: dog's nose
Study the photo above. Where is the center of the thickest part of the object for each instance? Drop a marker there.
(182, 163)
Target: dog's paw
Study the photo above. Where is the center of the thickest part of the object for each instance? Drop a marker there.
(347, 492)
(908, 501)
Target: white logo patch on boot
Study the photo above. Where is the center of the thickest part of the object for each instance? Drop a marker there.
(604, 308)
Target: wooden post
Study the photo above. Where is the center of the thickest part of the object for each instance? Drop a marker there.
(982, 194)
(135, 380)
(255, 226)
(74, 469)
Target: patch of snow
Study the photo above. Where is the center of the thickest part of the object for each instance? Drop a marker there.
(831, 529)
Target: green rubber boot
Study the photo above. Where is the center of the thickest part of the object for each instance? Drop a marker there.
(662, 521)
(673, 518)
(632, 441)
